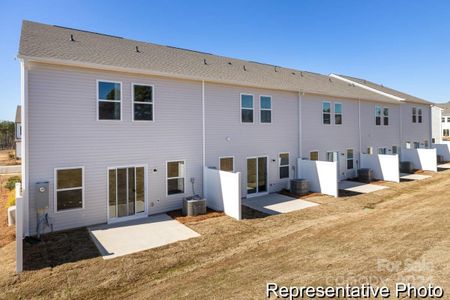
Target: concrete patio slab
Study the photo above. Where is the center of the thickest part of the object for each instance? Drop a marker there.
(274, 204)
(444, 166)
(114, 240)
(360, 187)
(413, 176)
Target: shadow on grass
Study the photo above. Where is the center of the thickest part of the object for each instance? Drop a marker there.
(250, 213)
(58, 248)
(345, 193)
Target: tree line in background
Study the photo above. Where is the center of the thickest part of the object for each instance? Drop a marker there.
(7, 135)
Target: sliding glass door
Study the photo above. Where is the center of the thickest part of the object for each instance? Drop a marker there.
(126, 192)
(256, 175)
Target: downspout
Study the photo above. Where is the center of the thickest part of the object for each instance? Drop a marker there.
(430, 123)
(359, 133)
(401, 131)
(24, 144)
(300, 127)
(203, 140)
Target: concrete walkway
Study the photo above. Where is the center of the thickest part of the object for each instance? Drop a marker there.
(413, 176)
(114, 240)
(275, 203)
(10, 169)
(444, 166)
(360, 187)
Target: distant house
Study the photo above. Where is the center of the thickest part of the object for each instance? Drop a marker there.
(18, 132)
(445, 120)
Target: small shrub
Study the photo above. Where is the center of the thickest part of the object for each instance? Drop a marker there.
(11, 182)
(12, 155)
(11, 198)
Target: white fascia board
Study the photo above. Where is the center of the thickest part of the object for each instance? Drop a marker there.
(367, 88)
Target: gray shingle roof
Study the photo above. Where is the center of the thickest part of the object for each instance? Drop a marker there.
(445, 107)
(53, 43)
(385, 89)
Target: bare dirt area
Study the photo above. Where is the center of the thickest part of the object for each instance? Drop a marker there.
(6, 159)
(373, 237)
(7, 234)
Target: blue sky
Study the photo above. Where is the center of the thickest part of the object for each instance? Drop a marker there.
(402, 44)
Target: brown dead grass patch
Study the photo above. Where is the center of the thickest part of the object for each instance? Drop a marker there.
(340, 241)
(177, 215)
(7, 234)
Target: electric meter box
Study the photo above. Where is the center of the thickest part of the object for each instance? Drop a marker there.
(42, 195)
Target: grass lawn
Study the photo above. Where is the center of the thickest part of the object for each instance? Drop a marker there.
(400, 233)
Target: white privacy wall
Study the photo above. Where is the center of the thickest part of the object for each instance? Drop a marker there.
(384, 166)
(223, 192)
(443, 149)
(422, 159)
(321, 175)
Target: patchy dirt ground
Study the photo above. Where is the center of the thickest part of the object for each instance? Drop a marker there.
(7, 234)
(393, 234)
(6, 160)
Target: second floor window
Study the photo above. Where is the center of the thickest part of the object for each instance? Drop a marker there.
(416, 115)
(326, 113)
(266, 109)
(377, 115)
(142, 102)
(109, 95)
(386, 116)
(338, 113)
(246, 108)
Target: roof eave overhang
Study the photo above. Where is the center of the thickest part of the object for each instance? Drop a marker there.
(72, 63)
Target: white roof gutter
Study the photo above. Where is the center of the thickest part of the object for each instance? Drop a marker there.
(367, 88)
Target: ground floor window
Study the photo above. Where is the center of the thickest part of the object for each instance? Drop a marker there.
(175, 177)
(408, 145)
(69, 183)
(332, 156)
(314, 155)
(425, 144)
(416, 145)
(350, 159)
(227, 164)
(446, 132)
(370, 150)
(382, 150)
(283, 161)
(126, 191)
(394, 150)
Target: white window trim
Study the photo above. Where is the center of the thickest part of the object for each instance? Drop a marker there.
(184, 178)
(229, 156)
(318, 155)
(347, 159)
(139, 102)
(322, 113)
(142, 214)
(264, 109)
(115, 101)
(408, 145)
(370, 150)
(241, 108)
(280, 165)
(56, 190)
(334, 113)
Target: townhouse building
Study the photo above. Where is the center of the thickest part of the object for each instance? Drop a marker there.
(120, 129)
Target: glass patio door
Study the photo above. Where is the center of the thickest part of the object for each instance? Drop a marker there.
(126, 192)
(256, 175)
